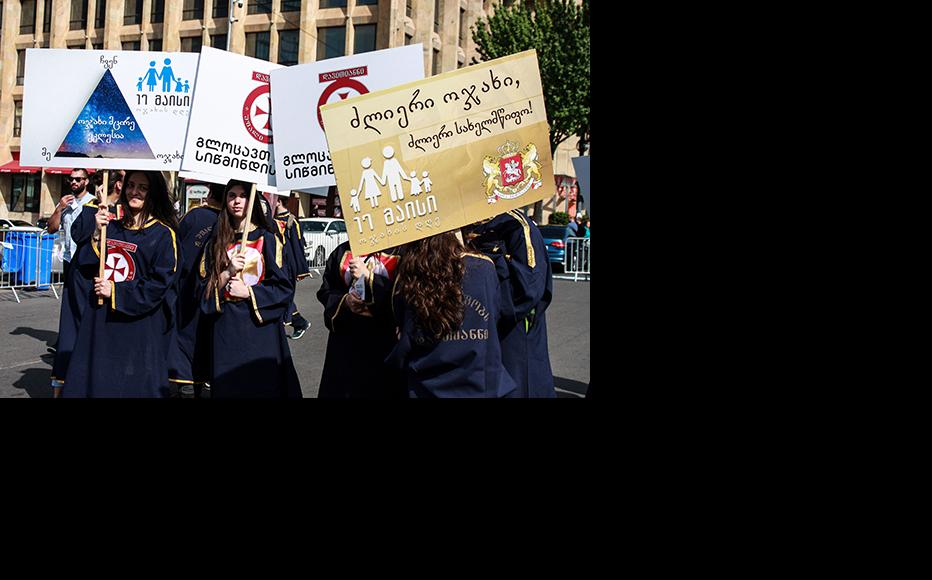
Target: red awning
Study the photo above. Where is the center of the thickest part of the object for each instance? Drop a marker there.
(63, 170)
(15, 167)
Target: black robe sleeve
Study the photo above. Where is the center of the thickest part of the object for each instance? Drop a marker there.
(333, 290)
(146, 293)
(269, 299)
(528, 267)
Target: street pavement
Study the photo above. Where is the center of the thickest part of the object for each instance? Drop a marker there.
(28, 328)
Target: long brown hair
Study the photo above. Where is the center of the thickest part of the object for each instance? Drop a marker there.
(157, 205)
(224, 233)
(430, 280)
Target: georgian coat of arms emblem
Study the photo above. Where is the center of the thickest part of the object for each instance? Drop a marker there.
(512, 173)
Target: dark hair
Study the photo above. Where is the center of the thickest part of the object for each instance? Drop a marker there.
(86, 174)
(430, 278)
(158, 205)
(216, 192)
(112, 178)
(224, 233)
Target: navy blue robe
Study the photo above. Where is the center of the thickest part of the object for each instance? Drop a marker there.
(75, 292)
(354, 365)
(122, 346)
(527, 288)
(466, 363)
(296, 261)
(250, 354)
(190, 353)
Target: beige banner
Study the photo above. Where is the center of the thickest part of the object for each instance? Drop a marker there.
(435, 155)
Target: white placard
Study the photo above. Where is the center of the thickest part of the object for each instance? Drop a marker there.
(581, 164)
(106, 109)
(230, 133)
(302, 159)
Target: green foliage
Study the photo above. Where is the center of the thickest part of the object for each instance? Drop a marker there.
(559, 218)
(559, 30)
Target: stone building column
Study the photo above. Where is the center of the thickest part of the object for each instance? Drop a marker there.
(113, 24)
(307, 44)
(171, 26)
(61, 21)
(237, 33)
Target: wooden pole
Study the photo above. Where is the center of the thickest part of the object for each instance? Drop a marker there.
(103, 235)
(247, 219)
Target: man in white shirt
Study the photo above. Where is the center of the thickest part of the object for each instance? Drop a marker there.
(68, 209)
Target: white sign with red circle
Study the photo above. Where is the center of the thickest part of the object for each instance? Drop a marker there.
(230, 129)
(302, 159)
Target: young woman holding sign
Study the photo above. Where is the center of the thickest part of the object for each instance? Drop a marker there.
(447, 304)
(245, 295)
(356, 294)
(122, 345)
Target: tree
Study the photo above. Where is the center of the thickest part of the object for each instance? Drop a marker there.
(559, 30)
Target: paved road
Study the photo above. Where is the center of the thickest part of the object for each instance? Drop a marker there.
(28, 328)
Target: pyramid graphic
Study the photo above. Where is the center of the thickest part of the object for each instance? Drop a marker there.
(94, 135)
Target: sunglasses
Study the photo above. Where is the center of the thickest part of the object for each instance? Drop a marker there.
(77, 178)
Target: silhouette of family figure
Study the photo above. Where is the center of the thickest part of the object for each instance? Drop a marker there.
(166, 75)
(370, 183)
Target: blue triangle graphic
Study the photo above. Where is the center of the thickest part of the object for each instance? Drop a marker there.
(93, 133)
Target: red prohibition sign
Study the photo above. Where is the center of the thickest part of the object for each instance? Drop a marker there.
(247, 116)
(347, 83)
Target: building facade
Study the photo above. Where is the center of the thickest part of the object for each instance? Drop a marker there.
(282, 31)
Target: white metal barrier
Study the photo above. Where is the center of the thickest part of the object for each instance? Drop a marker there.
(319, 246)
(29, 259)
(577, 258)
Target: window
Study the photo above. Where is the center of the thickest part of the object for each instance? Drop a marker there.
(437, 15)
(367, 2)
(100, 13)
(158, 11)
(193, 10)
(26, 189)
(78, 15)
(331, 42)
(462, 28)
(17, 118)
(219, 41)
(27, 18)
(155, 45)
(333, 3)
(340, 227)
(408, 8)
(20, 66)
(131, 45)
(47, 17)
(221, 8)
(364, 40)
(437, 65)
(132, 12)
(1, 14)
(257, 45)
(97, 45)
(288, 47)
(408, 39)
(77, 45)
(191, 44)
(291, 5)
(259, 7)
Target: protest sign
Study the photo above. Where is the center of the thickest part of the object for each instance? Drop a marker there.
(106, 109)
(451, 150)
(230, 132)
(301, 156)
(581, 164)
